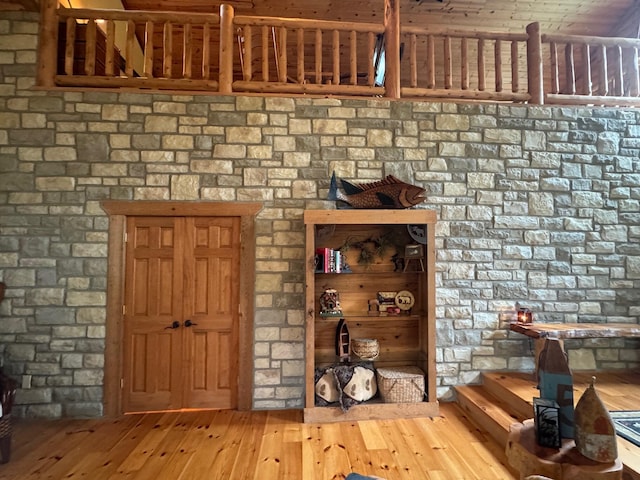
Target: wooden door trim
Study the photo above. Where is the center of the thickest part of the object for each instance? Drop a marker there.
(118, 212)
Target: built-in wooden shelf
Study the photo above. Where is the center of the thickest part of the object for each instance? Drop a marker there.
(406, 339)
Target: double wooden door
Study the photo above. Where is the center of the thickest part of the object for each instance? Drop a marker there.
(181, 313)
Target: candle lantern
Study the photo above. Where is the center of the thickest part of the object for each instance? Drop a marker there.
(524, 315)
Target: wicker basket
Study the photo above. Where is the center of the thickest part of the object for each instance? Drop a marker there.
(365, 348)
(401, 384)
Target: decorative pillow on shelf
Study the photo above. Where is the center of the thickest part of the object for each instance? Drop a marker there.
(326, 387)
(348, 384)
(357, 383)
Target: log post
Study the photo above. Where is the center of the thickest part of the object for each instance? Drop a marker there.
(392, 48)
(225, 80)
(48, 46)
(534, 64)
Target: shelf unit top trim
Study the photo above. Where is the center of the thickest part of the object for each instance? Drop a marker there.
(370, 216)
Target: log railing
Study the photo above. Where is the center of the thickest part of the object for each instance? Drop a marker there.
(286, 55)
(174, 49)
(225, 53)
(591, 70)
(465, 65)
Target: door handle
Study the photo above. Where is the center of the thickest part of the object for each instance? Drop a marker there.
(175, 324)
(189, 323)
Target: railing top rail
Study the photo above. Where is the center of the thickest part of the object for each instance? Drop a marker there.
(445, 32)
(308, 24)
(107, 14)
(588, 40)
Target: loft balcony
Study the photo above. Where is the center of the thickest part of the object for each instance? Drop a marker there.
(228, 53)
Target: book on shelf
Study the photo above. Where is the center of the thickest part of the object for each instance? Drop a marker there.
(328, 260)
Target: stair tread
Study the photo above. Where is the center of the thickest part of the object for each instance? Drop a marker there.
(495, 408)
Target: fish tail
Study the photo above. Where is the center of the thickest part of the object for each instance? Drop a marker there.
(333, 188)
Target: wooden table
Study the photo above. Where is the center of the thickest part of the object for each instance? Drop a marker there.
(561, 331)
(576, 330)
(566, 463)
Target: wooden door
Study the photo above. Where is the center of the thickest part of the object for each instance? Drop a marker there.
(180, 315)
(211, 302)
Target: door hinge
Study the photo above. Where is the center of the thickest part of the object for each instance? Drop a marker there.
(121, 383)
(125, 236)
(124, 309)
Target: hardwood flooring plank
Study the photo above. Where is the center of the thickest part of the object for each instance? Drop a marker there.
(57, 448)
(98, 441)
(359, 457)
(207, 439)
(246, 440)
(421, 449)
(147, 447)
(407, 465)
(271, 451)
(169, 459)
(335, 458)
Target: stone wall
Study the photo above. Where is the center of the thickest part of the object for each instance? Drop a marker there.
(537, 205)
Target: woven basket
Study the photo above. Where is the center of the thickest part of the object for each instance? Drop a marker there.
(365, 348)
(401, 384)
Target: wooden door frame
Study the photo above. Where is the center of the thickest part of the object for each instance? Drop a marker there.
(118, 212)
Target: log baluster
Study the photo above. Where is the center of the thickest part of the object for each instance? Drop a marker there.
(481, 65)
(586, 70)
(353, 58)
(265, 52)
(90, 48)
(413, 61)
(300, 54)
(70, 46)
(282, 55)
(604, 74)
(555, 72)
(167, 46)
(371, 46)
(448, 63)
(464, 64)
(335, 50)
(187, 52)
(570, 66)
(431, 62)
(109, 56)
(131, 36)
(618, 73)
(148, 50)
(515, 78)
(497, 49)
(206, 50)
(634, 74)
(318, 54)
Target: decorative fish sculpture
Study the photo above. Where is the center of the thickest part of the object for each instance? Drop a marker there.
(387, 193)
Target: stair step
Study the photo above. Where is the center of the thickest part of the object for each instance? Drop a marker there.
(487, 411)
(515, 389)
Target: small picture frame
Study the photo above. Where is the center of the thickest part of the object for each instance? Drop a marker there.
(413, 251)
(547, 423)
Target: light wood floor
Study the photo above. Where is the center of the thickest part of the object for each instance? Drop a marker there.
(253, 445)
(277, 445)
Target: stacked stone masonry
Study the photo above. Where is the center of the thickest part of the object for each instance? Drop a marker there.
(538, 205)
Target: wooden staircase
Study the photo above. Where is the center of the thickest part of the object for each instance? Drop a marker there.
(504, 398)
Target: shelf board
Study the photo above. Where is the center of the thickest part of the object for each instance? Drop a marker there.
(371, 411)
